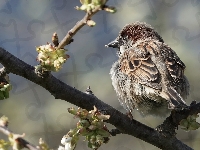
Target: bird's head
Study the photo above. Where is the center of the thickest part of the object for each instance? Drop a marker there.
(131, 33)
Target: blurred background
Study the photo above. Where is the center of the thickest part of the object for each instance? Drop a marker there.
(27, 24)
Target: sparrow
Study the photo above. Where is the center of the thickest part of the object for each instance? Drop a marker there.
(148, 75)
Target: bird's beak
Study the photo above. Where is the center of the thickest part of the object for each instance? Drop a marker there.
(113, 44)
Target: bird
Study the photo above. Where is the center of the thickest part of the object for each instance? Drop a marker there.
(148, 75)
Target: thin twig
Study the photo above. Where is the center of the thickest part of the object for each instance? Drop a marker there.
(67, 39)
(21, 141)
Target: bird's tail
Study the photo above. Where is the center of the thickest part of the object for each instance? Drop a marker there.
(175, 99)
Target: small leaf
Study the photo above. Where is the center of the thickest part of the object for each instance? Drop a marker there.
(6, 94)
(194, 116)
(184, 123)
(194, 126)
(1, 95)
(84, 123)
(103, 132)
(84, 132)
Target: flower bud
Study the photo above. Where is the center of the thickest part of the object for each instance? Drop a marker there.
(4, 121)
(72, 111)
(55, 39)
(98, 2)
(51, 58)
(84, 123)
(110, 9)
(91, 23)
(85, 2)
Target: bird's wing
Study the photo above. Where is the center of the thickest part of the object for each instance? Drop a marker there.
(137, 64)
(145, 63)
(175, 68)
(174, 64)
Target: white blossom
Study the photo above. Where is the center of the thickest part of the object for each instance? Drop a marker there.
(67, 142)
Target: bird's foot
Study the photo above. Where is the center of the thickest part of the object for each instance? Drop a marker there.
(178, 107)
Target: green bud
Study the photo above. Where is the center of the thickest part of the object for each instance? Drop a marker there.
(84, 123)
(50, 57)
(82, 113)
(84, 132)
(98, 2)
(72, 111)
(61, 52)
(94, 146)
(91, 126)
(4, 91)
(103, 132)
(194, 116)
(92, 139)
(99, 139)
(71, 133)
(98, 124)
(110, 9)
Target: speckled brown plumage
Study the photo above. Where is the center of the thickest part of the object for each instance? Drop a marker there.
(148, 75)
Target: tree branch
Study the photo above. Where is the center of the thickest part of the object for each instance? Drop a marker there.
(65, 92)
(22, 142)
